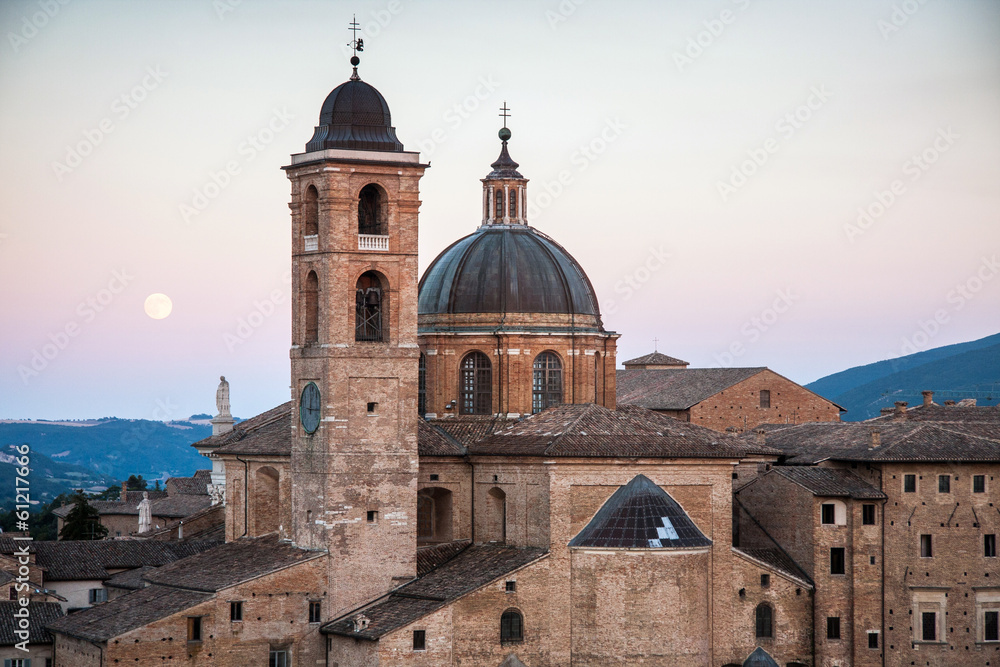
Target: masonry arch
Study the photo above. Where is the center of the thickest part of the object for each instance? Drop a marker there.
(434, 515)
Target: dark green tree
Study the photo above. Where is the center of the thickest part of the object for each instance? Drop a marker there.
(83, 521)
(135, 483)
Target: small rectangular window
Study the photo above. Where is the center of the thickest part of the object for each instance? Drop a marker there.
(765, 580)
(765, 398)
(372, 408)
(372, 516)
(278, 658)
(837, 560)
(926, 546)
(909, 483)
(872, 640)
(98, 595)
(510, 586)
(13, 593)
(868, 515)
(435, 477)
(315, 611)
(194, 628)
(236, 611)
(991, 626)
(419, 640)
(827, 513)
(928, 626)
(833, 627)
(944, 483)
(979, 483)
(871, 560)
(990, 545)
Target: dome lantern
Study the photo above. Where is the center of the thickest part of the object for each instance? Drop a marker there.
(504, 187)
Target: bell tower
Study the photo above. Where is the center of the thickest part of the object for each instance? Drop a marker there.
(354, 354)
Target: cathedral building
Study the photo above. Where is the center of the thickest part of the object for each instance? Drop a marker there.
(452, 481)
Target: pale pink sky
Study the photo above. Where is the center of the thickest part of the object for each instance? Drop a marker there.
(711, 191)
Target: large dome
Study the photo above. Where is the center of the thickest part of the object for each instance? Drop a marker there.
(506, 269)
(355, 116)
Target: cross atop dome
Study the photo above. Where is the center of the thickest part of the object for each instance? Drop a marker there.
(357, 44)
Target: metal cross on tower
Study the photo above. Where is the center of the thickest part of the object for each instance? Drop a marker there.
(504, 113)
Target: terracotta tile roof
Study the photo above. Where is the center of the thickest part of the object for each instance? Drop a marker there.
(180, 506)
(473, 568)
(219, 510)
(679, 389)
(984, 415)
(128, 612)
(130, 580)
(590, 430)
(115, 507)
(468, 429)
(231, 563)
(829, 482)
(435, 441)
(641, 515)
(654, 359)
(197, 484)
(900, 441)
(430, 557)
(776, 560)
(267, 434)
(40, 614)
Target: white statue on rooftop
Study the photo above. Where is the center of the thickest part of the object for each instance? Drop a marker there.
(222, 398)
(145, 513)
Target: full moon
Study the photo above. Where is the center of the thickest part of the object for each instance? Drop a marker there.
(158, 306)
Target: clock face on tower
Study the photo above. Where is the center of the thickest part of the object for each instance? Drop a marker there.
(309, 408)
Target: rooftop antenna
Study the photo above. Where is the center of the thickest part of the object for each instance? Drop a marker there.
(505, 114)
(357, 44)
(655, 341)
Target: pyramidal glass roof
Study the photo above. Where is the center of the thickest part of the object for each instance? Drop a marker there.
(641, 515)
(760, 658)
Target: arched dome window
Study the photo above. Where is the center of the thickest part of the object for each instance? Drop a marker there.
(512, 208)
(511, 627)
(371, 211)
(311, 293)
(368, 308)
(764, 620)
(546, 382)
(476, 385)
(311, 223)
(498, 204)
(422, 385)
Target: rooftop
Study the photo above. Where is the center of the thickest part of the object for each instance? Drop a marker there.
(40, 614)
(676, 389)
(829, 482)
(654, 359)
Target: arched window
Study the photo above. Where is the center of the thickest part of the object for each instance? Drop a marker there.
(498, 204)
(371, 210)
(476, 385)
(546, 382)
(368, 308)
(434, 521)
(764, 617)
(311, 293)
(511, 627)
(265, 501)
(422, 385)
(496, 516)
(311, 222)
(513, 204)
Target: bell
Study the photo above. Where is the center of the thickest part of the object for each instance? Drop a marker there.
(371, 299)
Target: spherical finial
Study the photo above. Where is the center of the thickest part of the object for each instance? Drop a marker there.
(504, 134)
(355, 61)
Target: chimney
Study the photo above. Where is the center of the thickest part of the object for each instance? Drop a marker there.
(928, 398)
(899, 413)
(761, 436)
(886, 411)
(876, 438)
(949, 404)
(124, 492)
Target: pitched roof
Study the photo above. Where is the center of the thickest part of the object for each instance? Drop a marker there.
(196, 484)
(430, 557)
(130, 580)
(180, 505)
(128, 612)
(948, 414)
(83, 560)
(900, 441)
(468, 429)
(654, 359)
(676, 389)
(829, 482)
(777, 561)
(115, 507)
(231, 563)
(40, 614)
(640, 515)
(435, 441)
(267, 434)
(760, 658)
(473, 568)
(589, 430)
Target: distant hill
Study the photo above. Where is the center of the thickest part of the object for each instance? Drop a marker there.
(115, 448)
(48, 478)
(964, 370)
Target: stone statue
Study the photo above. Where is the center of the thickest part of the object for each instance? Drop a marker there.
(222, 398)
(145, 513)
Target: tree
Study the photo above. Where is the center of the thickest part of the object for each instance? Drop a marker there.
(135, 483)
(83, 521)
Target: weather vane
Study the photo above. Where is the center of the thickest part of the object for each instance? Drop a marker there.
(357, 44)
